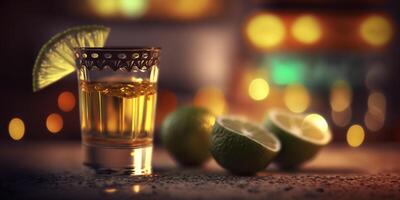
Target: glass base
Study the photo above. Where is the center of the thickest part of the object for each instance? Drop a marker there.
(108, 160)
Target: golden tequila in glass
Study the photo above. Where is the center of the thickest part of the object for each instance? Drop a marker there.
(118, 114)
(117, 108)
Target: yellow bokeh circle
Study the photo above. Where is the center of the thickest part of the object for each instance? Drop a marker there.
(306, 29)
(16, 128)
(296, 98)
(376, 30)
(265, 31)
(258, 89)
(355, 135)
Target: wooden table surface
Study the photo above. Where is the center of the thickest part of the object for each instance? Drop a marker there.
(53, 170)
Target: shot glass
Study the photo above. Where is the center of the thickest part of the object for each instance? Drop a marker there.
(117, 103)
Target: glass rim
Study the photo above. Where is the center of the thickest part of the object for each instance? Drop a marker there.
(130, 58)
(133, 48)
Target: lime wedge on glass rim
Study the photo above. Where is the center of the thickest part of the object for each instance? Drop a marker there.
(241, 146)
(301, 137)
(56, 58)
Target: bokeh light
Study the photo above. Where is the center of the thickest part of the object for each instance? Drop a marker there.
(377, 104)
(355, 135)
(136, 188)
(341, 96)
(286, 69)
(317, 120)
(168, 103)
(210, 98)
(376, 30)
(112, 8)
(375, 116)
(249, 73)
(296, 98)
(258, 89)
(376, 76)
(66, 101)
(306, 29)
(110, 190)
(54, 123)
(104, 8)
(133, 8)
(16, 128)
(185, 9)
(265, 31)
(373, 122)
(341, 118)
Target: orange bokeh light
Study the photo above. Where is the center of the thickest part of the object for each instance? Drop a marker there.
(183, 9)
(54, 123)
(66, 101)
(212, 99)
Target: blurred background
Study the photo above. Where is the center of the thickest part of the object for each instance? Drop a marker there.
(337, 58)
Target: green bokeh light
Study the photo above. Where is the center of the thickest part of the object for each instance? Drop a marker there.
(318, 71)
(286, 70)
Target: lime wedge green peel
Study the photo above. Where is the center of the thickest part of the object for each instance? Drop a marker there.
(242, 147)
(301, 137)
(56, 58)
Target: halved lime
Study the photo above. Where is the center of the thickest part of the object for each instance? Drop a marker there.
(241, 146)
(301, 137)
(56, 58)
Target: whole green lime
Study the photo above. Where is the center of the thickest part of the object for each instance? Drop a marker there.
(185, 133)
